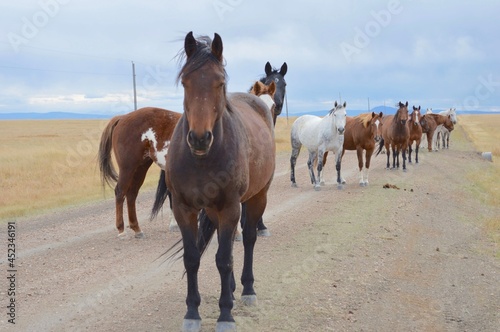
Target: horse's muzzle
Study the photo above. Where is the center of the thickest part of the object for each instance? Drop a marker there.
(341, 130)
(199, 145)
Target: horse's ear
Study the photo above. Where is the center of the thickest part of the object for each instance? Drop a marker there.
(268, 69)
(335, 105)
(345, 104)
(272, 89)
(256, 88)
(381, 114)
(190, 44)
(217, 47)
(406, 103)
(284, 69)
(419, 107)
(373, 115)
(414, 108)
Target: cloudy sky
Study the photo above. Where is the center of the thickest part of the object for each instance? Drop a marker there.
(76, 56)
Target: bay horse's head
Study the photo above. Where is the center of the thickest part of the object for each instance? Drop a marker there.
(402, 113)
(339, 115)
(415, 116)
(424, 122)
(204, 80)
(278, 77)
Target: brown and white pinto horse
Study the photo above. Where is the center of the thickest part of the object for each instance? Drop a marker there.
(430, 122)
(415, 132)
(221, 155)
(137, 139)
(395, 134)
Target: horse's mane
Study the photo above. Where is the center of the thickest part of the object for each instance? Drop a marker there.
(364, 118)
(202, 54)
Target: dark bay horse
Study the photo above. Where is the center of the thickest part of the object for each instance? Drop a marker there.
(137, 139)
(430, 122)
(362, 132)
(222, 154)
(395, 134)
(278, 77)
(415, 132)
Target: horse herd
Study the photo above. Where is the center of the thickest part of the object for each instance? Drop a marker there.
(217, 160)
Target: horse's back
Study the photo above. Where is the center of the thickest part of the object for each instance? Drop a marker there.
(305, 130)
(256, 123)
(243, 102)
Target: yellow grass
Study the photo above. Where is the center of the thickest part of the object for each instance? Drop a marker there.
(53, 163)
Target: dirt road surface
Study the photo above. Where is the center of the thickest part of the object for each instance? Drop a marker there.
(415, 258)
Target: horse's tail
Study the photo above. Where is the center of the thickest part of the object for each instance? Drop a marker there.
(162, 193)
(205, 231)
(380, 146)
(108, 172)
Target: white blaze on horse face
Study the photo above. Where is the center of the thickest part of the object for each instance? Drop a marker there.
(160, 156)
(268, 100)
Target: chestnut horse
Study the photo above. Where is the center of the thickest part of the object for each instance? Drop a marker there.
(395, 133)
(415, 133)
(137, 139)
(361, 133)
(222, 154)
(430, 122)
(278, 77)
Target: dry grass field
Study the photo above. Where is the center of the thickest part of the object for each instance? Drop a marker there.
(53, 163)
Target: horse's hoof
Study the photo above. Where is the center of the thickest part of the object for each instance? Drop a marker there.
(322, 183)
(191, 325)
(294, 185)
(249, 300)
(139, 235)
(317, 188)
(263, 232)
(404, 170)
(225, 327)
(122, 235)
(362, 184)
(174, 228)
(238, 237)
(343, 182)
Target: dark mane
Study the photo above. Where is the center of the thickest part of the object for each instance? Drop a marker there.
(202, 54)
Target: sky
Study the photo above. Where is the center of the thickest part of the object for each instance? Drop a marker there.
(76, 55)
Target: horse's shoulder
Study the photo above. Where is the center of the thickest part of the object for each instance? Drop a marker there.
(241, 101)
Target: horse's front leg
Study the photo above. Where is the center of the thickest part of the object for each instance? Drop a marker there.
(403, 155)
(416, 152)
(394, 151)
(388, 152)
(228, 221)
(317, 184)
(338, 167)
(410, 151)
(187, 220)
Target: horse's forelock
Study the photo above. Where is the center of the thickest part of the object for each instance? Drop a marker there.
(202, 54)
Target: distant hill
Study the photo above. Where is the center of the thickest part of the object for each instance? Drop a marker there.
(83, 116)
(53, 116)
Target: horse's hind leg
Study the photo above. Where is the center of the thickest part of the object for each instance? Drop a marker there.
(137, 181)
(119, 199)
(254, 211)
(388, 152)
(313, 155)
(293, 160)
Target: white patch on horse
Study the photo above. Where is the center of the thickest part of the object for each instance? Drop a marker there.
(160, 156)
(268, 100)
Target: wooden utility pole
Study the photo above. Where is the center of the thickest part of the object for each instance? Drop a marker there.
(135, 91)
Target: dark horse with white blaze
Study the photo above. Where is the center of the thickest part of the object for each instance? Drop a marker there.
(221, 155)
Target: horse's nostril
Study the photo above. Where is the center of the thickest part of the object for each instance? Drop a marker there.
(208, 136)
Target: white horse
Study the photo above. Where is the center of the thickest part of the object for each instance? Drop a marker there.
(442, 131)
(319, 135)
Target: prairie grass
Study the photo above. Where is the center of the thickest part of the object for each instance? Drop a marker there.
(53, 163)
